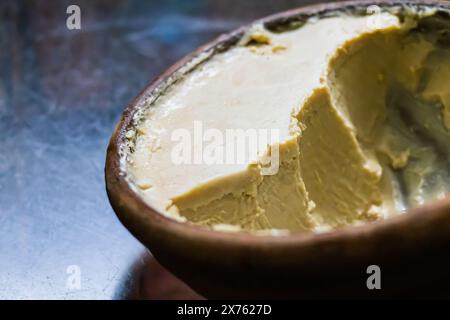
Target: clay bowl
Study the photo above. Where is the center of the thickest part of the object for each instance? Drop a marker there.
(412, 250)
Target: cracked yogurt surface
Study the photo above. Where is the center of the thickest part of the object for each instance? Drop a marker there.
(361, 111)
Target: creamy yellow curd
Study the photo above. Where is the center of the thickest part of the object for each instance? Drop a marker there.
(362, 110)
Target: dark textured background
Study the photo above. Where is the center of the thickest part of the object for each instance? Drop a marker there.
(61, 92)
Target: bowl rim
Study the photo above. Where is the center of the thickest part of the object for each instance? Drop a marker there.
(130, 207)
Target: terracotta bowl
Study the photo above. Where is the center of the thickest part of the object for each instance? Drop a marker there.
(412, 250)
